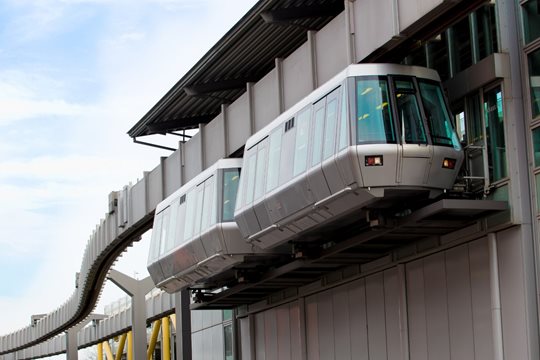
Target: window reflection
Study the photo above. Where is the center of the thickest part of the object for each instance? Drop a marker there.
(373, 116)
(531, 20)
(493, 113)
(534, 82)
(230, 187)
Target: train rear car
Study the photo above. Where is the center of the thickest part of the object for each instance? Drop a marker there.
(194, 237)
(374, 136)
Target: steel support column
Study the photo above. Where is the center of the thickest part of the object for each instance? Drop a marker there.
(137, 289)
(166, 339)
(183, 325)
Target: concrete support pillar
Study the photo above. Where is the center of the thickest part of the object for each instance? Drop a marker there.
(72, 346)
(137, 289)
(183, 325)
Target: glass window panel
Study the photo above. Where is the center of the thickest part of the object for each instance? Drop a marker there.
(536, 146)
(164, 230)
(330, 128)
(180, 224)
(250, 178)
(410, 121)
(493, 112)
(487, 30)
(534, 81)
(417, 57)
(461, 34)
(227, 314)
(537, 183)
(198, 210)
(374, 122)
(531, 20)
(460, 126)
(191, 201)
(228, 340)
(437, 48)
(474, 119)
(343, 121)
(231, 179)
(442, 131)
(301, 144)
(318, 136)
(156, 236)
(273, 160)
(260, 174)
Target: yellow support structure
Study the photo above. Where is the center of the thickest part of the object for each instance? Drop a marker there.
(153, 339)
(100, 351)
(121, 345)
(166, 339)
(173, 320)
(108, 350)
(130, 345)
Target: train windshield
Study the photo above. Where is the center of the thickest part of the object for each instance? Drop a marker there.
(373, 114)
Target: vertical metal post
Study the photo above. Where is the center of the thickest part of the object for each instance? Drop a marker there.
(100, 351)
(121, 346)
(183, 325)
(130, 345)
(496, 319)
(153, 339)
(165, 339)
(72, 351)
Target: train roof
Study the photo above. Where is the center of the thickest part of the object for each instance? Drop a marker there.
(220, 164)
(351, 70)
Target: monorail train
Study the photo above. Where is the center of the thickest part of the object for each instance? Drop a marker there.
(372, 137)
(194, 235)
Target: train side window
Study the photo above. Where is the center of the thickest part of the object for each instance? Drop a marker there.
(181, 222)
(198, 210)
(318, 136)
(301, 146)
(343, 123)
(164, 230)
(156, 236)
(230, 188)
(442, 132)
(410, 121)
(274, 155)
(208, 204)
(260, 174)
(374, 124)
(250, 178)
(173, 218)
(330, 128)
(190, 213)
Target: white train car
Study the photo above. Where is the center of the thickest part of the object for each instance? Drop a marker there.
(373, 136)
(194, 237)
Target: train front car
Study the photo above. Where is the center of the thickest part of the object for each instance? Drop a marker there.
(195, 238)
(374, 136)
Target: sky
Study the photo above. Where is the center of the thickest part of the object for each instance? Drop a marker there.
(75, 76)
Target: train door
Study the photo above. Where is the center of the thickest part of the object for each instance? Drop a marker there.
(415, 152)
(315, 176)
(329, 165)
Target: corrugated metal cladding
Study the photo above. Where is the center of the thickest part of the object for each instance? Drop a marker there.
(245, 54)
(446, 302)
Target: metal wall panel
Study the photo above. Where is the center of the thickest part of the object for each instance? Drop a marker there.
(283, 333)
(374, 25)
(193, 157)
(270, 335)
(214, 145)
(512, 290)
(416, 310)
(245, 338)
(358, 320)
(260, 338)
(392, 317)
(266, 100)
(375, 317)
(155, 187)
(297, 74)
(238, 123)
(331, 49)
(172, 173)
(138, 201)
(341, 311)
(325, 317)
(412, 10)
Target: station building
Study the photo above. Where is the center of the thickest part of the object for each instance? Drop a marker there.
(467, 289)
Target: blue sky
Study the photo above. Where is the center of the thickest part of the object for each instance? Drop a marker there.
(75, 75)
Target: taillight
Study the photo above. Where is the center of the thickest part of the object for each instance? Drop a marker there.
(374, 160)
(449, 163)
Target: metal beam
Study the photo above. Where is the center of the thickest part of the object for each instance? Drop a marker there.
(187, 123)
(212, 87)
(287, 15)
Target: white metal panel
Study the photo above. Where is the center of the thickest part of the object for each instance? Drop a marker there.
(172, 173)
(331, 49)
(480, 302)
(460, 317)
(155, 187)
(138, 201)
(358, 321)
(297, 74)
(245, 338)
(436, 307)
(266, 100)
(512, 290)
(214, 145)
(238, 123)
(375, 317)
(374, 25)
(416, 310)
(193, 157)
(412, 10)
(297, 347)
